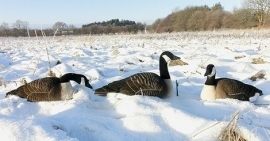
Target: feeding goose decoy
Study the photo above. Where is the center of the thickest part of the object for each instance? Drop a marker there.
(50, 88)
(146, 83)
(227, 88)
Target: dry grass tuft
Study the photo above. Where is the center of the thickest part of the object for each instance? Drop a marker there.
(228, 48)
(23, 81)
(60, 40)
(258, 61)
(51, 74)
(239, 57)
(115, 52)
(1, 67)
(58, 62)
(258, 75)
(86, 39)
(177, 62)
(1, 81)
(231, 132)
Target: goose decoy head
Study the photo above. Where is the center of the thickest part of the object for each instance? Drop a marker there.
(85, 82)
(168, 56)
(79, 78)
(210, 70)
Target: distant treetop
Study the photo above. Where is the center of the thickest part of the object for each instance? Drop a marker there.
(113, 22)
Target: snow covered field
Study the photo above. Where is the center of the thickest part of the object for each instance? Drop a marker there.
(103, 59)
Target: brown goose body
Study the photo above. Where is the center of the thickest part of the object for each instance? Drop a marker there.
(230, 88)
(226, 87)
(49, 89)
(135, 85)
(147, 83)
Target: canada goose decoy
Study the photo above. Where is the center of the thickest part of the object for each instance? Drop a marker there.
(227, 88)
(146, 83)
(50, 88)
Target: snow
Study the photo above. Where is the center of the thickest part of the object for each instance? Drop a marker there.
(106, 58)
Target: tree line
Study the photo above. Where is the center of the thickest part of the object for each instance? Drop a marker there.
(21, 28)
(113, 26)
(253, 14)
(113, 22)
(200, 18)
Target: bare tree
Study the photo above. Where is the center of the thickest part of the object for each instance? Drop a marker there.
(197, 21)
(260, 8)
(217, 6)
(4, 29)
(20, 28)
(60, 26)
(240, 19)
(20, 25)
(213, 19)
(71, 27)
(176, 9)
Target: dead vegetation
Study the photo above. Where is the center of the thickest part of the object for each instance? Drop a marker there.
(51, 74)
(115, 52)
(239, 57)
(231, 132)
(60, 40)
(1, 81)
(258, 75)
(258, 61)
(177, 62)
(23, 81)
(58, 62)
(228, 48)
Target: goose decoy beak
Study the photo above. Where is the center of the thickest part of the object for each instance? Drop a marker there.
(175, 57)
(89, 86)
(207, 73)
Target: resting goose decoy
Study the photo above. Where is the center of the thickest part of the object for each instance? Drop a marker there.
(50, 88)
(227, 88)
(146, 83)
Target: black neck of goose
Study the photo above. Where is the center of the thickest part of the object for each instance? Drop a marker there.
(163, 68)
(70, 76)
(210, 80)
(77, 78)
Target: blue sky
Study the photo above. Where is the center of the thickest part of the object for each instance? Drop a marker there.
(78, 12)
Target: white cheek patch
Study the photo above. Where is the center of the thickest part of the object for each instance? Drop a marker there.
(82, 81)
(213, 72)
(167, 59)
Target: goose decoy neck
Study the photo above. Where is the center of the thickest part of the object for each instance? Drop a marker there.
(164, 59)
(80, 79)
(70, 76)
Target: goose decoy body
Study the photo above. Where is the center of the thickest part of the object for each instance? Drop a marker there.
(227, 88)
(146, 83)
(50, 88)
